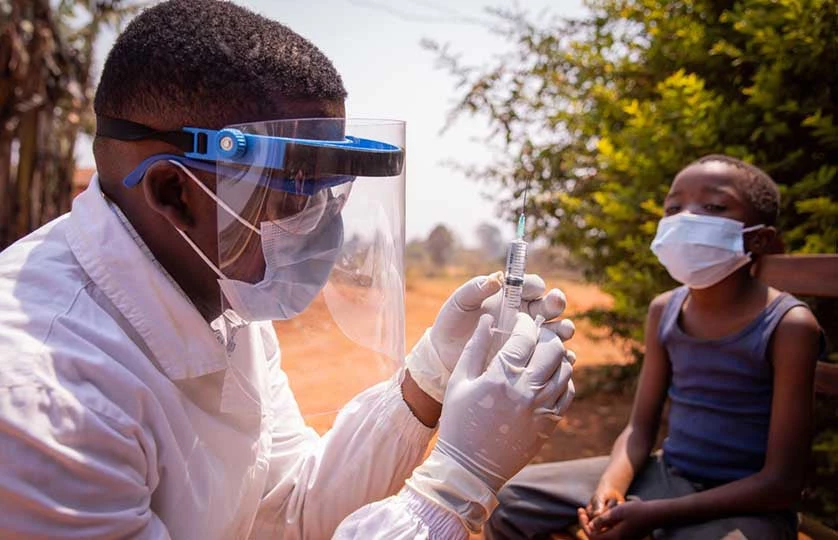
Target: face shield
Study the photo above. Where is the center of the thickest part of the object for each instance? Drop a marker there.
(310, 236)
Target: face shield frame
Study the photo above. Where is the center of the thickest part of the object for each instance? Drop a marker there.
(348, 157)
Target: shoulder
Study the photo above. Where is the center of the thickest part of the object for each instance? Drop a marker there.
(659, 303)
(794, 316)
(64, 388)
(42, 253)
(69, 355)
(798, 323)
(39, 412)
(60, 440)
(797, 338)
(40, 280)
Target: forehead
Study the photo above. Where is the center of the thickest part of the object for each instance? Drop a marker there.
(709, 177)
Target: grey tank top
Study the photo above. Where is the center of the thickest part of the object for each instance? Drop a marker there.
(720, 395)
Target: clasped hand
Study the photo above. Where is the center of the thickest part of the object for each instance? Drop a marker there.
(615, 519)
(436, 354)
(495, 418)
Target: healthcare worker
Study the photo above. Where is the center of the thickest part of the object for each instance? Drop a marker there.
(141, 393)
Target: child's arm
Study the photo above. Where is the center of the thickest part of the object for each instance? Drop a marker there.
(794, 351)
(632, 447)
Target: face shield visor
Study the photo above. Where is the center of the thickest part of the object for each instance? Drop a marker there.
(310, 227)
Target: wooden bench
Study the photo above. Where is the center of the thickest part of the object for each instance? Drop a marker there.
(813, 276)
(806, 275)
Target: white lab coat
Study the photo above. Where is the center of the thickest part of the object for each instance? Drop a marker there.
(123, 414)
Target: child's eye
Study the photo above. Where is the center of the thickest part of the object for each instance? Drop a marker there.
(671, 209)
(714, 208)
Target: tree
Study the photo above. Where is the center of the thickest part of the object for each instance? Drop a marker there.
(440, 246)
(45, 94)
(491, 241)
(601, 112)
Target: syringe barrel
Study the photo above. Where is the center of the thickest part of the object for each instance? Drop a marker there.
(516, 259)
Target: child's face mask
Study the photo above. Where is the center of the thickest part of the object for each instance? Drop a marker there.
(700, 251)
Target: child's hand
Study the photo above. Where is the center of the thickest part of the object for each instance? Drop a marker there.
(630, 520)
(604, 497)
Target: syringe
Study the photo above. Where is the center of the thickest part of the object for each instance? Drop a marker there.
(516, 259)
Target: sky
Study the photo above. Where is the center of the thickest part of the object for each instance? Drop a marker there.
(376, 46)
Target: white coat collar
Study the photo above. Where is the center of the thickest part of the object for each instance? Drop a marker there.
(181, 341)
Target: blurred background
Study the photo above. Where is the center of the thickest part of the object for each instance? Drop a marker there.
(597, 104)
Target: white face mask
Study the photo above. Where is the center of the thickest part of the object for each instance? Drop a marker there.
(297, 264)
(700, 251)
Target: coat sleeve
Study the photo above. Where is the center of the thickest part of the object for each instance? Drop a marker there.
(406, 516)
(68, 472)
(316, 482)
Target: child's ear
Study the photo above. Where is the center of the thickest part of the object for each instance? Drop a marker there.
(764, 241)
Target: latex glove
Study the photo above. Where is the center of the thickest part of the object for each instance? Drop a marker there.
(434, 356)
(495, 421)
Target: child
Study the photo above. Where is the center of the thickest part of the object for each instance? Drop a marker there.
(736, 359)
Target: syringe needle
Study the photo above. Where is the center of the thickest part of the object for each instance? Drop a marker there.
(522, 219)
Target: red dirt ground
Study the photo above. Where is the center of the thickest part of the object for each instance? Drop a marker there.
(323, 384)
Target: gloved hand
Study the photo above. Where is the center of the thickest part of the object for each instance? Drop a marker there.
(495, 421)
(433, 358)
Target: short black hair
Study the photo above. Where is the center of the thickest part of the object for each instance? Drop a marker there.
(199, 62)
(759, 189)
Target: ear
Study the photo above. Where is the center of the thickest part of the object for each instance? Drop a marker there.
(764, 241)
(170, 192)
